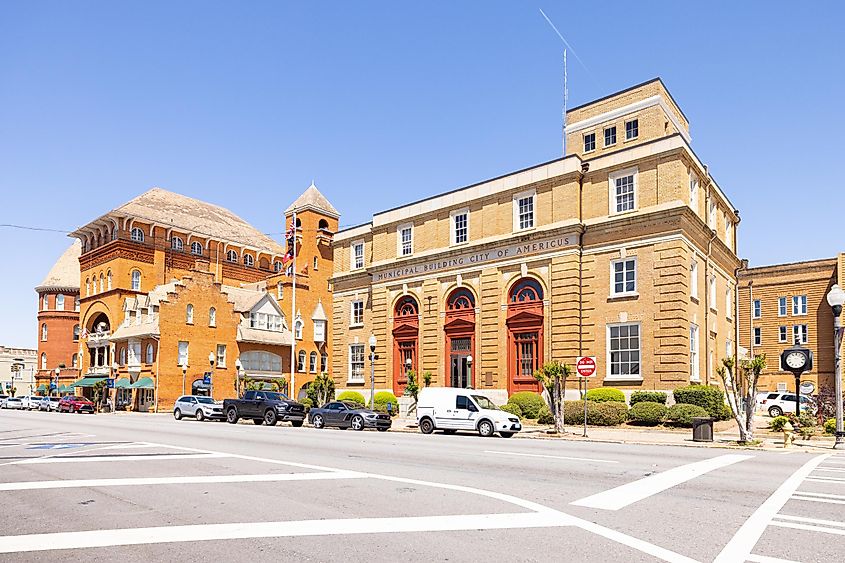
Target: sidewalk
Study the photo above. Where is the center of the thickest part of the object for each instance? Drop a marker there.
(725, 438)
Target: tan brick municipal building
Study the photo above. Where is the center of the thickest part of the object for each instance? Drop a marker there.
(623, 249)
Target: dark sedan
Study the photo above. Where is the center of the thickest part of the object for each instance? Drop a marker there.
(345, 415)
(75, 404)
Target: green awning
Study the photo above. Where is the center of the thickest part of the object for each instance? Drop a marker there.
(87, 381)
(143, 383)
(122, 383)
(65, 389)
(41, 387)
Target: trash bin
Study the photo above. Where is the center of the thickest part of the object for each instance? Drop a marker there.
(702, 429)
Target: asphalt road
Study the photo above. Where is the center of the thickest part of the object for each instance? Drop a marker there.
(148, 488)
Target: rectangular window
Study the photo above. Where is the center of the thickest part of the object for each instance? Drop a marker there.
(525, 212)
(60, 302)
(183, 354)
(357, 255)
(799, 334)
(624, 276)
(729, 348)
(632, 129)
(356, 362)
(694, 373)
(280, 291)
(693, 279)
(783, 334)
(758, 336)
(693, 192)
(624, 351)
(623, 191)
(527, 360)
(589, 142)
(799, 304)
(728, 304)
(221, 355)
(76, 304)
(319, 331)
(460, 228)
(713, 292)
(757, 309)
(711, 213)
(406, 240)
(781, 306)
(357, 313)
(729, 231)
(610, 136)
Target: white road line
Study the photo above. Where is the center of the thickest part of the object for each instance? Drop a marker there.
(814, 499)
(806, 520)
(551, 456)
(180, 480)
(822, 495)
(740, 546)
(808, 528)
(826, 479)
(766, 559)
(100, 458)
(834, 470)
(629, 493)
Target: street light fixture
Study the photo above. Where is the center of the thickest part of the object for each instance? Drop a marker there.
(184, 373)
(239, 368)
(469, 372)
(211, 374)
(836, 298)
(58, 370)
(372, 343)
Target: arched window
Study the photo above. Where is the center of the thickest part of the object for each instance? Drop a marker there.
(137, 235)
(297, 329)
(280, 290)
(312, 362)
(43, 360)
(45, 302)
(461, 298)
(76, 333)
(189, 314)
(102, 282)
(249, 260)
(526, 289)
(300, 364)
(407, 307)
(232, 256)
(323, 224)
(277, 266)
(74, 361)
(87, 287)
(212, 317)
(298, 223)
(136, 280)
(196, 248)
(149, 353)
(316, 262)
(176, 243)
(60, 302)
(76, 304)
(123, 356)
(108, 280)
(324, 362)
(43, 330)
(114, 234)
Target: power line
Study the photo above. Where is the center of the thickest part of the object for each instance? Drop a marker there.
(30, 228)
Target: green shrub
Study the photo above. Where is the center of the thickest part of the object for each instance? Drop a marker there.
(648, 397)
(603, 394)
(830, 426)
(308, 403)
(528, 402)
(778, 422)
(711, 399)
(681, 414)
(352, 396)
(385, 397)
(607, 413)
(513, 409)
(545, 416)
(647, 413)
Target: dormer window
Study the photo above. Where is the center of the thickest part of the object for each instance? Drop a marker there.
(176, 244)
(196, 249)
(249, 260)
(232, 256)
(137, 235)
(277, 266)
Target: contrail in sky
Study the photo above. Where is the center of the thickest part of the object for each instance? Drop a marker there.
(565, 42)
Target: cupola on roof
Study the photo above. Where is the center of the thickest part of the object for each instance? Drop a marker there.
(314, 200)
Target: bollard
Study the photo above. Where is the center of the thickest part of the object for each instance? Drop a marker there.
(788, 434)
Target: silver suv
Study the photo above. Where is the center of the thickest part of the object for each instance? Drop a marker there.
(778, 403)
(197, 406)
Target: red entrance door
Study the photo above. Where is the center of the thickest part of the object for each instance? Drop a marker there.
(460, 339)
(525, 335)
(405, 337)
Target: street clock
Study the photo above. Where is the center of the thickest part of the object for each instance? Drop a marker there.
(797, 360)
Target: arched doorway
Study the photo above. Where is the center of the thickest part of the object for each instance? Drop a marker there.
(525, 335)
(460, 338)
(405, 338)
(98, 330)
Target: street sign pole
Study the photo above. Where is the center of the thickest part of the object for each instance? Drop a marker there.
(585, 368)
(585, 406)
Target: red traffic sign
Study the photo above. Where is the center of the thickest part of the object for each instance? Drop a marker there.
(585, 366)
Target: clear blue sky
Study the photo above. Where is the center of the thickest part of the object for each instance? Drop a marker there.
(244, 103)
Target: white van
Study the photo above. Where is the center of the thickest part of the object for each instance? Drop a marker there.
(451, 409)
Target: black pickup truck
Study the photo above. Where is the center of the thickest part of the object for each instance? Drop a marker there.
(264, 407)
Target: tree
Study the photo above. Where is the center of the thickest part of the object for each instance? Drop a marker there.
(740, 383)
(412, 389)
(101, 391)
(553, 377)
(426, 378)
(321, 390)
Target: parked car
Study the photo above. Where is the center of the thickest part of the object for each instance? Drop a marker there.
(72, 403)
(3, 400)
(451, 409)
(778, 403)
(30, 402)
(346, 415)
(197, 406)
(264, 407)
(13, 403)
(48, 404)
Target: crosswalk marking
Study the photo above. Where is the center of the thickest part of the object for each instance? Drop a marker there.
(808, 527)
(806, 520)
(823, 495)
(592, 460)
(767, 559)
(100, 458)
(629, 493)
(815, 499)
(826, 479)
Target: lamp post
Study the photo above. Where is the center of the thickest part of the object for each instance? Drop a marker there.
(211, 374)
(58, 370)
(114, 367)
(836, 298)
(239, 368)
(372, 370)
(469, 373)
(184, 373)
